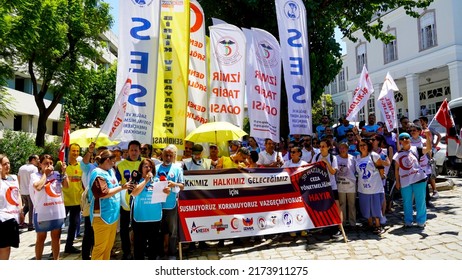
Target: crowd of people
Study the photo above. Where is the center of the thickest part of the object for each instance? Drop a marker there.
(367, 165)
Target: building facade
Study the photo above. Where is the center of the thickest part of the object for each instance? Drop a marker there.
(425, 60)
(25, 110)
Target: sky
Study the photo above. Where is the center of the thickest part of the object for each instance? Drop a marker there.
(115, 28)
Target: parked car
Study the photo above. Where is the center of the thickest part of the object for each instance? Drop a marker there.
(446, 157)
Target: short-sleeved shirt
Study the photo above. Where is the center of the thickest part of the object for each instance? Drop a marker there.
(265, 158)
(410, 171)
(73, 193)
(24, 173)
(346, 178)
(369, 180)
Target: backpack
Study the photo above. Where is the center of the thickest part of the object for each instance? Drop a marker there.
(85, 203)
(330, 155)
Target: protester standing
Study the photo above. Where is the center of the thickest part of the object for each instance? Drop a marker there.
(11, 214)
(24, 173)
(49, 211)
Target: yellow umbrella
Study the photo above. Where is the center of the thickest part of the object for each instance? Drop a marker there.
(214, 132)
(85, 136)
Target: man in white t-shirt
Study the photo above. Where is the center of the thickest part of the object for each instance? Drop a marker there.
(269, 157)
(24, 173)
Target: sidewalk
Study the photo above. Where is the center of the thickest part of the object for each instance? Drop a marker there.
(440, 240)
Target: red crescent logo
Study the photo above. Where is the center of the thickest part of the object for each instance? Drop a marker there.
(12, 195)
(403, 161)
(228, 51)
(49, 189)
(234, 223)
(199, 18)
(267, 54)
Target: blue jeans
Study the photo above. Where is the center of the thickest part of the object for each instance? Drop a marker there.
(416, 191)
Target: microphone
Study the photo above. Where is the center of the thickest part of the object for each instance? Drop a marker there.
(127, 175)
(135, 178)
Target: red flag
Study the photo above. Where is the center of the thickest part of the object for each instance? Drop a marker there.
(66, 139)
(444, 117)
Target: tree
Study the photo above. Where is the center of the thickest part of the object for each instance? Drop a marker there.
(5, 70)
(53, 40)
(92, 99)
(321, 107)
(323, 16)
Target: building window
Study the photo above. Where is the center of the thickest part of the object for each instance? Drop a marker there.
(362, 114)
(327, 89)
(333, 86)
(371, 104)
(19, 84)
(341, 80)
(390, 51)
(343, 108)
(422, 95)
(427, 30)
(17, 124)
(361, 58)
(336, 115)
(447, 91)
(398, 97)
(54, 130)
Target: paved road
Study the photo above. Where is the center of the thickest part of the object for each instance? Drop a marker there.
(440, 240)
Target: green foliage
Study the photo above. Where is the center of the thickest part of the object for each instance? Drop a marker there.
(18, 146)
(54, 40)
(323, 17)
(92, 98)
(318, 109)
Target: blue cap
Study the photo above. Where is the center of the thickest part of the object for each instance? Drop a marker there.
(404, 135)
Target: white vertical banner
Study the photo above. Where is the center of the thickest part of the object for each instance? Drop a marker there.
(138, 47)
(293, 36)
(197, 110)
(361, 94)
(227, 74)
(112, 126)
(387, 102)
(263, 84)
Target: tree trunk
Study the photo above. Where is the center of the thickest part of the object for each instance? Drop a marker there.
(41, 129)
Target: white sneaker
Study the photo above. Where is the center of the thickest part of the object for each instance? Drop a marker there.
(435, 194)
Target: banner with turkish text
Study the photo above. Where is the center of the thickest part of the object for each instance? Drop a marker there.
(197, 109)
(172, 86)
(263, 83)
(293, 36)
(230, 203)
(362, 93)
(227, 74)
(386, 102)
(137, 55)
(113, 123)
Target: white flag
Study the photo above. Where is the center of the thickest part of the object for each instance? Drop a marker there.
(293, 36)
(263, 84)
(361, 94)
(112, 126)
(387, 102)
